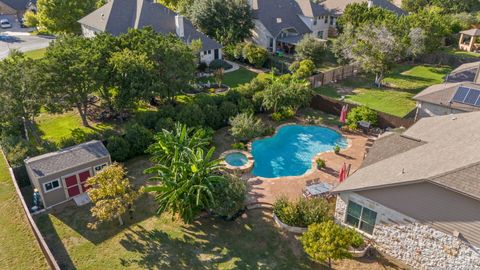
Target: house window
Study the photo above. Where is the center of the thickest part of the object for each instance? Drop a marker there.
(326, 19)
(209, 52)
(332, 20)
(315, 21)
(360, 217)
(99, 168)
(320, 34)
(52, 185)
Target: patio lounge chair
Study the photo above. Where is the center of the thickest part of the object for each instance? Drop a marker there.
(317, 190)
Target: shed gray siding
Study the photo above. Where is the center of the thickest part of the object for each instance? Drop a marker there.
(436, 206)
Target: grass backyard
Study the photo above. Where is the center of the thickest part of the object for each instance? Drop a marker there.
(234, 78)
(18, 247)
(152, 242)
(36, 54)
(396, 97)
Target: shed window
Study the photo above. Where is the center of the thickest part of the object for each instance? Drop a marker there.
(99, 168)
(360, 217)
(52, 185)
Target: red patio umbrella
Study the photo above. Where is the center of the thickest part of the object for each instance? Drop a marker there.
(343, 173)
(343, 114)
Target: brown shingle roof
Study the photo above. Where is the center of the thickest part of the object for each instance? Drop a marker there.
(450, 144)
(442, 94)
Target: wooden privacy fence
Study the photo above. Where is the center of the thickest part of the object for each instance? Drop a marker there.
(334, 75)
(333, 106)
(36, 232)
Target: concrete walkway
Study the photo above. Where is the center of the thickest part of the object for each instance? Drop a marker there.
(235, 66)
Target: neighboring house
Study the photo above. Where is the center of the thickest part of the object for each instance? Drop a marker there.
(280, 24)
(117, 16)
(16, 7)
(60, 176)
(460, 93)
(417, 194)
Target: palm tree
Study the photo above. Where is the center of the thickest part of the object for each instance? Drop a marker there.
(186, 183)
(170, 146)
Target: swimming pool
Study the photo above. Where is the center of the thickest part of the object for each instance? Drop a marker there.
(236, 159)
(291, 150)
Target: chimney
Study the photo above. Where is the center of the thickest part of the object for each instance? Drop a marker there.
(179, 25)
(370, 3)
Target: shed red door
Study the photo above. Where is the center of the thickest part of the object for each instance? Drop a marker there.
(73, 188)
(83, 176)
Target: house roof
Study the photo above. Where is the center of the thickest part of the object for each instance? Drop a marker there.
(18, 5)
(471, 32)
(277, 15)
(449, 147)
(442, 94)
(117, 16)
(337, 7)
(464, 73)
(64, 159)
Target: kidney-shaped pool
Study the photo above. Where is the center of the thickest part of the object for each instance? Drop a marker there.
(291, 150)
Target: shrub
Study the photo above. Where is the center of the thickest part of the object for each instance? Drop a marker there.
(255, 55)
(239, 146)
(213, 117)
(167, 111)
(284, 114)
(139, 138)
(238, 51)
(303, 212)
(17, 152)
(327, 241)
(218, 64)
(336, 149)
(305, 69)
(191, 115)
(320, 163)
(227, 110)
(229, 196)
(245, 126)
(147, 119)
(164, 124)
(118, 147)
(202, 67)
(312, 49)
(361, 113)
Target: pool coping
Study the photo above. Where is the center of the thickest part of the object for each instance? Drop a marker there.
(314, 159)
(245, 168)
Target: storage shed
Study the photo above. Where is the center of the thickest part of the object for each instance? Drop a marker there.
(59, 176)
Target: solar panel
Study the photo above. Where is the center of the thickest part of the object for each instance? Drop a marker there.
(472, 97)
(460, 94)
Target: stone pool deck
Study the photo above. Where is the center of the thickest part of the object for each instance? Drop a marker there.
(266, 190)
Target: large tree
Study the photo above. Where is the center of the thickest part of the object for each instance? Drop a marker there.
(112, 194)
(70, 78)
(357, 14)
(374, 48)
(186, 187)
(286, 93)
(310, 48)
(21, 89)
(228, 21)
(60, 16)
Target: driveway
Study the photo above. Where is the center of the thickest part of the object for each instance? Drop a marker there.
(20, 38)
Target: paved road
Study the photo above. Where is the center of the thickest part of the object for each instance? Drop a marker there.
(20, 39)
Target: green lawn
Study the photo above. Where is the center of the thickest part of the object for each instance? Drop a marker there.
(54, 127)
(36, 54)
(396, 97)
(153, 242)
(460, 53)
(18, 246)
(234, 78)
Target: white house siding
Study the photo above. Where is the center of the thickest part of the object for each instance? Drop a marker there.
(89, 32)
(320, 26)
(261, 36)
(209, 57)
(416, 244)
(425, 109)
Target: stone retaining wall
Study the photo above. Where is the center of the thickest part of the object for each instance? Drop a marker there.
(416, 244)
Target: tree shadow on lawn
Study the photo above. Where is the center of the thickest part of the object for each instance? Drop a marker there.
(250, 242)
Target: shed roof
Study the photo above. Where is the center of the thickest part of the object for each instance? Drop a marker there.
(450, 146)
(464, 73)
(117, 16)
(64, 159)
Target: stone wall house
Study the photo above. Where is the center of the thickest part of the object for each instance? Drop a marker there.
(117, 16)
(459, 94)
(417, 194)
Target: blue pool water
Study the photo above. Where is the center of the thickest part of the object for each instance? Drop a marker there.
(290, 151)
(236, 159)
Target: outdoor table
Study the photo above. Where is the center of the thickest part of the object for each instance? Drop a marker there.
(318, 189)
